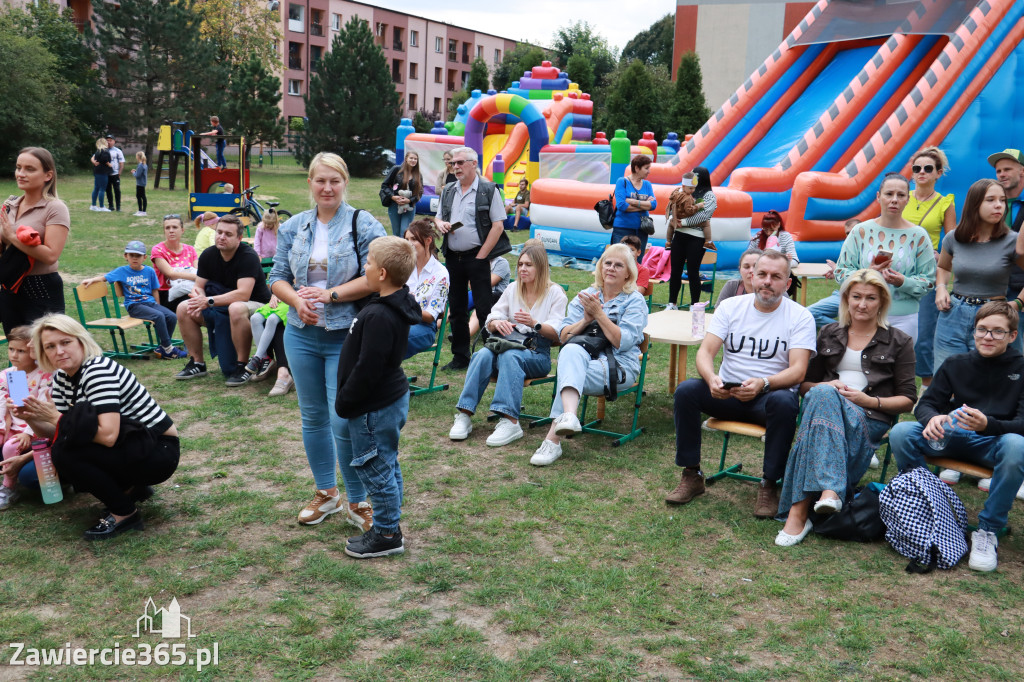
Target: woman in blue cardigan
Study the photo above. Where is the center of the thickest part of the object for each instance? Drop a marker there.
(634, 198)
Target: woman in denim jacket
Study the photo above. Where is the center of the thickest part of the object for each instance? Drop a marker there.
(317, 272)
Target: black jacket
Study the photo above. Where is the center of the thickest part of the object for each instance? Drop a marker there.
(370, 372)
(993, 385)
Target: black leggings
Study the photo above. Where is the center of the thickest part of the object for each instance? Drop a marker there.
(686, 250)
(140, 196)
(277, 346)
(37, 296)
(108, 473)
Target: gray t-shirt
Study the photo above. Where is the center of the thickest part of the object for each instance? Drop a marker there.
(981, 269)
(500, 267)
(464, 211)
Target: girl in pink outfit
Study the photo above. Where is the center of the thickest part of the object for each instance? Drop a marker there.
(17, 435)
(265, 242)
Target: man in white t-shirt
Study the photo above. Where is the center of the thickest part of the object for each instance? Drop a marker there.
(114, 180)
(768, 340)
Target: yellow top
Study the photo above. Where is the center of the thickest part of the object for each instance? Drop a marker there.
(204, 239)
(915, 211)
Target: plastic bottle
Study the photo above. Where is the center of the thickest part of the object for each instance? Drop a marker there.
(49, 483)
(947, 432)
(697, 319)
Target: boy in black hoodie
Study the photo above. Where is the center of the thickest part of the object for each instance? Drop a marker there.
(373, 392)
(986, 388)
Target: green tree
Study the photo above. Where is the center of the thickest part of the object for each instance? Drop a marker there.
(456, 100)
(478, 76)
(523, 58)
(689, 108)
(352, 108)
(154, 64)
(421, 122)
(636, 101)
(652, 46)
(581, 72)
(241, 30)
(580, 38)
(252, 103)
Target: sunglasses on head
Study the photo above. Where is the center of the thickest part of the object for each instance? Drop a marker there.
(172, 216)
(927, 168)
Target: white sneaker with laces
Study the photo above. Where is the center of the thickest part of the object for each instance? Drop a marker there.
(567, 424)
(504, 433)
(986, 483)
(547, 453)
(671, 306)
(8, 496)
(983, 551)
(950, 476)
(462, 427)
(322, 506)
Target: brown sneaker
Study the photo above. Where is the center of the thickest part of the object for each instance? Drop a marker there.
(767, 505)
(322, 506)
(690, 486)
(360, 515)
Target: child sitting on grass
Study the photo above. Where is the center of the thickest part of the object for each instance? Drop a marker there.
(682, 205)
(141, 289)
(643, 273)
(373, 392)
(16, 434)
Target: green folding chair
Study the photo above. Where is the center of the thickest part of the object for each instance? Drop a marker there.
(637, 390)
(112, 321)
(438, 342)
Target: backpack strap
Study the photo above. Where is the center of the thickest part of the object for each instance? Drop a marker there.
(916, 566)
(355, 242)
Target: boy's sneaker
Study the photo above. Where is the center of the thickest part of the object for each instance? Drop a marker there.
(567, 424)
(267, 365)
(8, 496)
(547, 453)
(950, 476)
(986, 483)
(253, 366)
(462, 427)
(239, 377)
(373, 544)
(322, 506)
(360, 515)
(192, 370)
(504, 433)
(171, 353)
(983, 551)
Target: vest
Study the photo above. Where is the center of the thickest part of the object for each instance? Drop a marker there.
(484, 195)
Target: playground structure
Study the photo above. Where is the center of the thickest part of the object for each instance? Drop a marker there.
(849, 95)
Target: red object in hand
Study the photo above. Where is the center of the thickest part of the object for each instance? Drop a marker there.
(881, 257)
(28, 236)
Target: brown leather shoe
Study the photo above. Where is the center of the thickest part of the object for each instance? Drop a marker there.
(690, 486)
(767, 505)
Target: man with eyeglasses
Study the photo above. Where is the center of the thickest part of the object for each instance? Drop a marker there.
(986, 388)
(471, 219)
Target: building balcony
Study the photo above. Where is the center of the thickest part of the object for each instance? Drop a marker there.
(316, 29)
(295, 63)
(296, 25)
(398, 46)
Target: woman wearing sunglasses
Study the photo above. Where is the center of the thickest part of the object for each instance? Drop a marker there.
(936, 213)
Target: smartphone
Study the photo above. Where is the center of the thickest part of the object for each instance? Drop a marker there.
(882, 256)
(731, 384)
(456, 225)
(17, 386)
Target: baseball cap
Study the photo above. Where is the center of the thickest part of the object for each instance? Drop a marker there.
(135, 246)
(1012, 154)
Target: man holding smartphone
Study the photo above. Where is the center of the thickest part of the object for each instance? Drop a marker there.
(767, 341)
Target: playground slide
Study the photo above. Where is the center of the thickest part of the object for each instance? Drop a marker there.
(989, 37)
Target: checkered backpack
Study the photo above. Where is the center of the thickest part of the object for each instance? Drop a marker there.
(924, 519)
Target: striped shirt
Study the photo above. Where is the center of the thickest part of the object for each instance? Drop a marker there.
(109, 387)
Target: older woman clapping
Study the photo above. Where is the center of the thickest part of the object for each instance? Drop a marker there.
(856, 386)
(611, 309)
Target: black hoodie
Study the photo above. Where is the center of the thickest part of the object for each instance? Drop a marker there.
(370, 372)
(993, 385)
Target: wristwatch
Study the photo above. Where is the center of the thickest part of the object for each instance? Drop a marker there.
(334, 296)
(767, 385)
(209, 301)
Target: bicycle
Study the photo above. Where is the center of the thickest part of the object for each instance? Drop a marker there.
(254, 210)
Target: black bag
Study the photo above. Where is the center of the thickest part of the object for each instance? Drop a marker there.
(647, 224)
(361, 303)
(15, 265)
(858, 520)
(606, 211)
(515, 340)
(386, 191)
(592, 338)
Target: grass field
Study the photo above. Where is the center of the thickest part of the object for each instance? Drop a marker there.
(578, 571)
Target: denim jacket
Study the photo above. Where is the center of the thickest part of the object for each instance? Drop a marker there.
(295, 242)
(629, 312)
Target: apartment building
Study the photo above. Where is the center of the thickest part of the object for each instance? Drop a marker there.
(429, 60)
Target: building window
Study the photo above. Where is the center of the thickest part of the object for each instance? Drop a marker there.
(465, 53)
(414, 70)
(412, 102)
(497, 56)
(294, 55)
(294, 87)
(479, 51)
(335, 22)
(396, 42)
(316, 53)
(453, 50)
(438, 44)
(437, 106)
(396, 70)
(316, 22)
(296, 18)
(437, 74)
(465, 79)
(414, 38)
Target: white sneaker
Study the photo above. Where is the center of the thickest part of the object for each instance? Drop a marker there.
(141, 214)
(462, 427)
(8, 496)
(547, 453)
(986, 483)
(950, 476)
(322, 506)
(94, 208)
(103, 209)
(671, 306)
(567, 424)
(874, 462)
(983, 551)
(504, 433)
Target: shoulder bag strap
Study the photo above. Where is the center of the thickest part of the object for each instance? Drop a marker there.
(355, 240)
(934, 204)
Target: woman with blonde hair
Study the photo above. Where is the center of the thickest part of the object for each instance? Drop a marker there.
(528, 313)
(856, 386)
(318, 272)
(101, 170)
(613, 309)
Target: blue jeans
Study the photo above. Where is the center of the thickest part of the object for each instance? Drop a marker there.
(164, 321)
(924, 349)
(512, 367)
(954, 334)
(421, 337)
(221, 345)
(577, 370)
(399, 221)
(1003, 454)
(826, 310)
(313, 354)
(221, 146)
(99, 188)
(619, 232)
(374, 438)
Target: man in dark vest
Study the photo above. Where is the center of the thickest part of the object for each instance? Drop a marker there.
(471, 218)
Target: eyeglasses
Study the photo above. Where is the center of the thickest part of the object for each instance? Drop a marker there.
(172, 216)
(460, 162)
(927, 169)
(997, 334)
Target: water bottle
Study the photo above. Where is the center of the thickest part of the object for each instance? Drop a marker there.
(49, 483)
(697, 319)
(947, 433)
